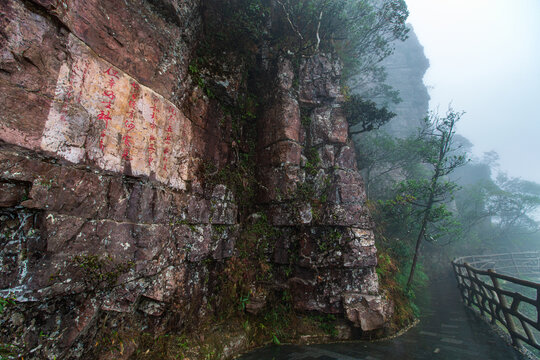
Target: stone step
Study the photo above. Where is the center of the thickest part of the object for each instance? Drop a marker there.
(450, 326)
(452, 341)
(459, 350)
(428, 333)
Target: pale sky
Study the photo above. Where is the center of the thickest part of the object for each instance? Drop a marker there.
(485, 59)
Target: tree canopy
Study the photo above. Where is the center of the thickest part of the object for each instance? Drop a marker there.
(364, 115)
(360, 31)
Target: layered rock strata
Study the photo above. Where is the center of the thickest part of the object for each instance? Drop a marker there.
(102, 203)
(312, 190)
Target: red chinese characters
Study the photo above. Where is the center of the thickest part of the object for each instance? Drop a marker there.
(105, 115)
(152, 143)
(129, 122)
(112, 73)
(155, 112)
(151, 149)
(171, 114)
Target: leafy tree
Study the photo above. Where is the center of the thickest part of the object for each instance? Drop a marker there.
(411, 196)
(512, 205)
(377, 158)
(360, 31)
(429, 196)
(385, 160)
(364, 115)
(497, 214)
(238, 25)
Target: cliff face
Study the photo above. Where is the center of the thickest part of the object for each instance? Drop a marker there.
(336, 255)
(114, 198)
(406, 68)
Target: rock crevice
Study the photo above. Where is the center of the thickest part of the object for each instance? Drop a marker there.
(116, 191)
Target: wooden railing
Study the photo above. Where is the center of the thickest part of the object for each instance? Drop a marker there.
(489, 283)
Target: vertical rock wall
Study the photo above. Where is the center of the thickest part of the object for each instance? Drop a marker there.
(103, 208)
(101, 138)
(313, 191)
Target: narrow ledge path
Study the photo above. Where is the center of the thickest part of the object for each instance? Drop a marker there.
(447, 331)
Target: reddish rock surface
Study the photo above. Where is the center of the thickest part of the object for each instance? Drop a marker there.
(103, 206)
(325, 192)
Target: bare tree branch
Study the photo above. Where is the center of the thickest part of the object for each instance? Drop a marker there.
(293, 27)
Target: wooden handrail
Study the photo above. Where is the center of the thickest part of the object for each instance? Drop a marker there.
(492, 294)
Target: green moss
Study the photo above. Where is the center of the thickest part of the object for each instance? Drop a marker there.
(305, 192)
(5, 302)
(46, 183)
(313, 161)
(388, 272)
(100, 271)
(326, 323)
(306, 121)
(194, 69)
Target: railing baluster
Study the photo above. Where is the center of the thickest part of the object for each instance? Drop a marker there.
(492, 298)
(537, 308)
(504, 306)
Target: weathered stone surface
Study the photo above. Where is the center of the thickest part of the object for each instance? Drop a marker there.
(345, 215)
(350, 187)
(281, 122)
(336, 252)
(281, 153)
(101, 114)
(289, 214)
(281, 119)
(87, 110)
(322, 289)
(346, 159)
(224, 241)
(369, 312)
(69, 191)
(280, 183)
(328, 126)
(149, 39)
(319, 79)
(12, 194)
(30, 56)
(337, 247)
(104, 207)
(327, 154)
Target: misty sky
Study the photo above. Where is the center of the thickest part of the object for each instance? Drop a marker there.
(485, 60)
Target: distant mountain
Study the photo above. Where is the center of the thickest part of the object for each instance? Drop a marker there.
(406, 68)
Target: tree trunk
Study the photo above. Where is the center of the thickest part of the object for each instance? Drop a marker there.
(444, 147)
(417, 249)
(425, 220)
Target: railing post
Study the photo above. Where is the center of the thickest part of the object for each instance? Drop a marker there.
(475, 290)
(537, 308)
(458, 280)
(470, 292)
(504, 306)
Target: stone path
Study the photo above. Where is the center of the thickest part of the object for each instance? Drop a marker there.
(446, 331)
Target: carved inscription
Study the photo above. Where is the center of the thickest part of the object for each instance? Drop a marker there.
(103, 116)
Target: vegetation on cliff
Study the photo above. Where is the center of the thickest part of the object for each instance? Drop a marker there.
(473, 210)
(360, 33)
(264, 229)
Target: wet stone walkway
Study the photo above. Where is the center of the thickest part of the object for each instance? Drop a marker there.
(446, 331)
